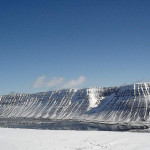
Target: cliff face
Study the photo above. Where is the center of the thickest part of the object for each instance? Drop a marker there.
(128, 103)
(117, 104)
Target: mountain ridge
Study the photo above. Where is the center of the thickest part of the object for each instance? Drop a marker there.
(129, 103)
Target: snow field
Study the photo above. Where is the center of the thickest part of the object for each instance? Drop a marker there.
(28, 139)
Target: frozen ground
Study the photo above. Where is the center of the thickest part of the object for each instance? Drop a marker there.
(29, 139)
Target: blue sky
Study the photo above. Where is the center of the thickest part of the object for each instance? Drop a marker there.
(54, 44)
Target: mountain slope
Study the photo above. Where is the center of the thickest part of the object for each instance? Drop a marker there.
(114, 104)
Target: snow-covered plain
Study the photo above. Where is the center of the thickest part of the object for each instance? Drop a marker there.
(29, 139)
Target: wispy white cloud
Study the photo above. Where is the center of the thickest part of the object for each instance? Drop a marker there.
(75, 83)
(43, 82)
(55, 82)
(38, 82)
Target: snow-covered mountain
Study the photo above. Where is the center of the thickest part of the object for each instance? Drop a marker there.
(113, 104)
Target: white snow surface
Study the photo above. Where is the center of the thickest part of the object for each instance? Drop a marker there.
(29, 139)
